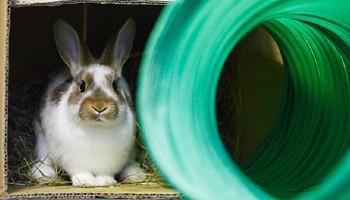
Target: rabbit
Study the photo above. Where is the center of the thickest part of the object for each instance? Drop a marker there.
(86, 124)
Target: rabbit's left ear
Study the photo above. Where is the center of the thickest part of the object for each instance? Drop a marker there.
(71, 49)
(118, 49)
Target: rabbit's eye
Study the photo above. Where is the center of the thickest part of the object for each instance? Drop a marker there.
(82, 86)
(115, 85)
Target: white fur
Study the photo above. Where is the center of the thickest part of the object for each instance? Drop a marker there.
(99, 73)
(90, 154)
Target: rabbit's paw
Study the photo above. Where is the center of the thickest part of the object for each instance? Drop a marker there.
(105, 181)
(133, 173)
(83, 180)
(43, 172)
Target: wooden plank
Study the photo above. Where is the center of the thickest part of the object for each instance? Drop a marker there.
(21, 3)
(142, 190)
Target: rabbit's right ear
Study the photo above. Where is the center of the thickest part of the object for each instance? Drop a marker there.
(70, 47)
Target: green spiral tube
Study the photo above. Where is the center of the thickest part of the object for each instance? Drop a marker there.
(306, 154)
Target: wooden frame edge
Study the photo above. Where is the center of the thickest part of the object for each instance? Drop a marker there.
(25, 3)
(4, 44)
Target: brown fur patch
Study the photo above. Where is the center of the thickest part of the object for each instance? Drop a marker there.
(60, 90)
(90, 105)
(88, 78)
(76, 95)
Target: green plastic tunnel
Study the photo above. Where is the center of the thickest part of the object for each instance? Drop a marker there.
(306, 153)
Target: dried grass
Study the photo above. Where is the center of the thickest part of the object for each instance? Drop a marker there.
(23, 99)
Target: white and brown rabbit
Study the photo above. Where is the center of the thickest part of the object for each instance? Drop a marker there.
(86, 125)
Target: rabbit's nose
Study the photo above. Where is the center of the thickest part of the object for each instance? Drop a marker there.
(100, 110)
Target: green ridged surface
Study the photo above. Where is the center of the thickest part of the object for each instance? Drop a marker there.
(306, 154)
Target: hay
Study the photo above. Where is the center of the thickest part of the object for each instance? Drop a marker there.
(24, 99)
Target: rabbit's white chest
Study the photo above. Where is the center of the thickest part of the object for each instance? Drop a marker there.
(100, 153)
(91, 149)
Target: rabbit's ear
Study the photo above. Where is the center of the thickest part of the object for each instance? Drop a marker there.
(70, 47)
(119, 47)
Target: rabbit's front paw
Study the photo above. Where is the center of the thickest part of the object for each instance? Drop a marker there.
(83, 180)
(105, 181)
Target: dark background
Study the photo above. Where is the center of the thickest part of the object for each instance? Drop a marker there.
(33, 53)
